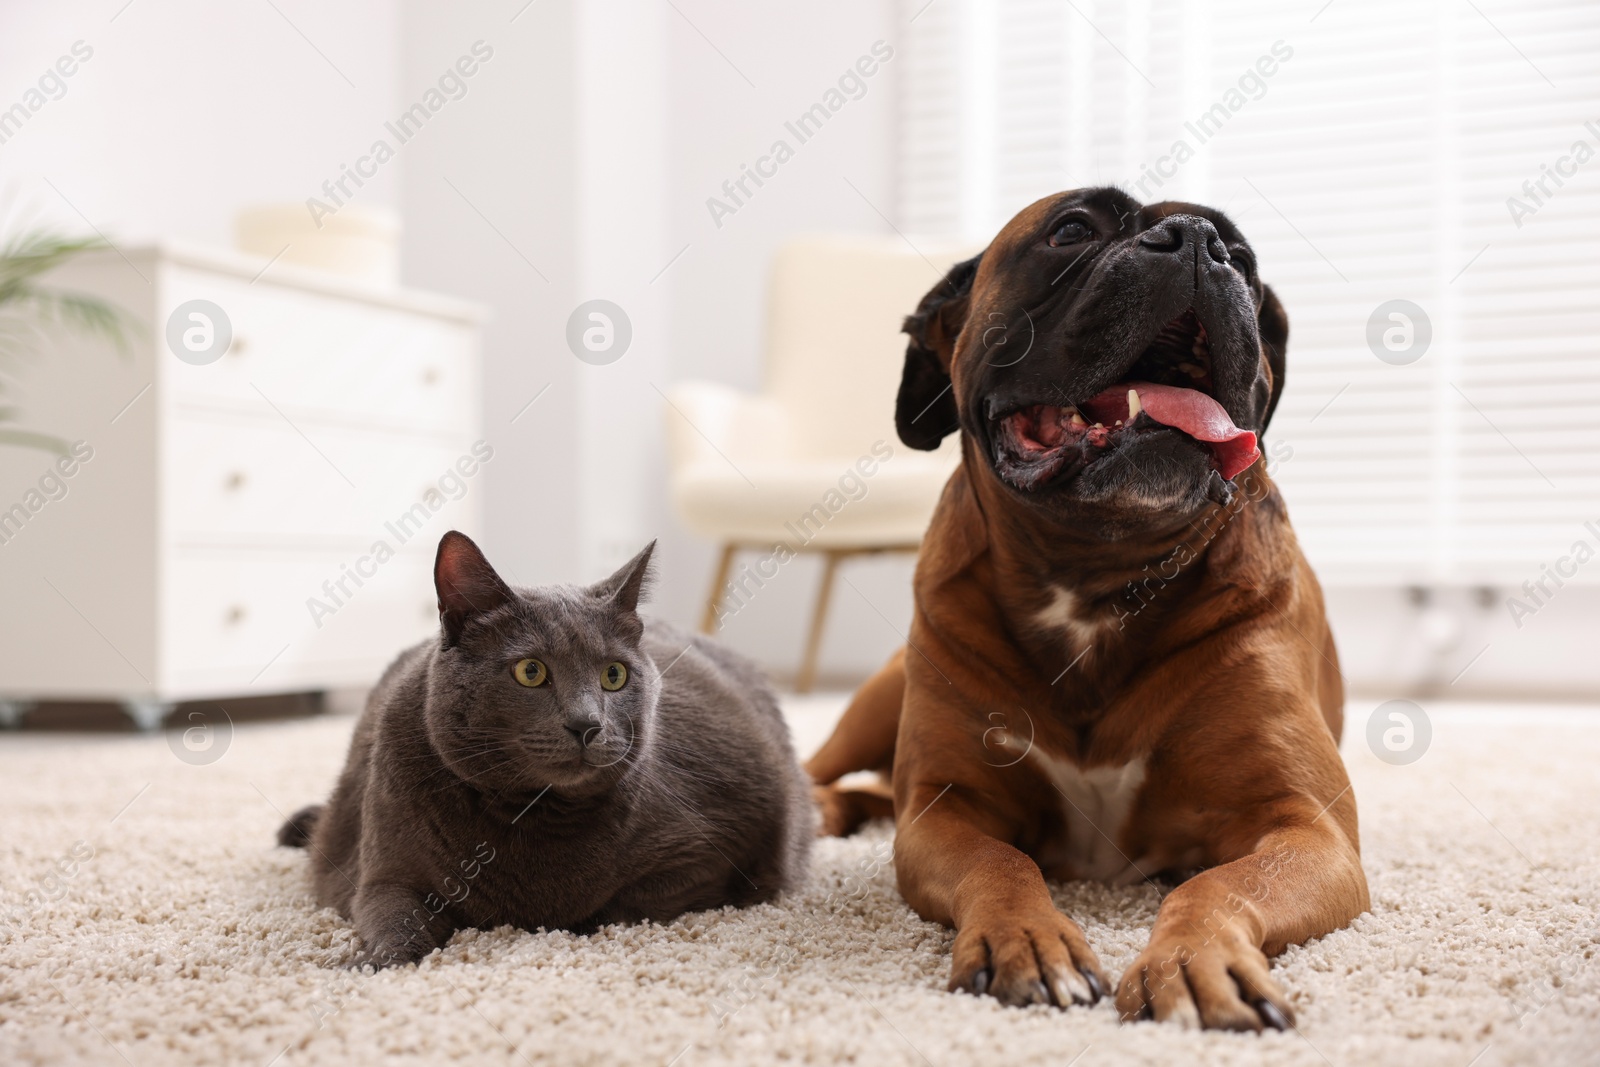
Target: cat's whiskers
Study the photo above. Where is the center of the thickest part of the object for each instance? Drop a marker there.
(686, 770)
(508, 761)
(445, 767)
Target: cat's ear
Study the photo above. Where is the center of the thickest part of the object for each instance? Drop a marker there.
(466, 584)
(630, 584)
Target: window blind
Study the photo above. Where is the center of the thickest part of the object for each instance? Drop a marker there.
(1373, 151)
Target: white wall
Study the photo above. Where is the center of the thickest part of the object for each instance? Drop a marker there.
(621, 166)
(489, 191)
(187, 110)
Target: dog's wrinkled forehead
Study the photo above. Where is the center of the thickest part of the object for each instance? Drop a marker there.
(1118, 218)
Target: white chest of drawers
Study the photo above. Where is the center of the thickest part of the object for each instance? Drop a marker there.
(264, 523)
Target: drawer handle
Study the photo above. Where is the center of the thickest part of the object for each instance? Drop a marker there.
(430, 376)
(235, 480)
(239, 347)
(235, 615)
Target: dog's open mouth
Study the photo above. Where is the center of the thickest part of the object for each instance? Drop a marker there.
(1169, 386)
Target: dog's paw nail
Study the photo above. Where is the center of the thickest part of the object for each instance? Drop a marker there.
(980, 982)
(1038, 994)
(1096, 989)
(1272, 1015)
(1071, 987)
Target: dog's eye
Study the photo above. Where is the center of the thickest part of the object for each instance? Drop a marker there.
(530, 672)
(1242, 261)
(614, 677)
(1070, 232)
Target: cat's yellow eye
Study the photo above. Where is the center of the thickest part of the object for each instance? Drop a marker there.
(530, 672)
(614, 677)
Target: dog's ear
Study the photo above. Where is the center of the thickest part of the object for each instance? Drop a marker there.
(925, 410)
(1272, 323)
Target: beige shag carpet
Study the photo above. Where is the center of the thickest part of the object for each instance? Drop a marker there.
(187, 938)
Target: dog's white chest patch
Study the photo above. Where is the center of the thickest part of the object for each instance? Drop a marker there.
(1064, 613)
(1096, 804)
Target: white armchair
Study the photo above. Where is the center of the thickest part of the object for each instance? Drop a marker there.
(784, 467)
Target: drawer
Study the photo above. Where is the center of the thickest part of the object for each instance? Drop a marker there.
(250, 479)
(228, 615)
(321, 356)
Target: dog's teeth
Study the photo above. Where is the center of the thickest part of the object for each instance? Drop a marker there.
(1134, 407)
(1078, 421)
(1099, 426)
(1119, 422)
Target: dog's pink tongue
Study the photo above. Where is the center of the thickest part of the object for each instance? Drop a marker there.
(1199, 416)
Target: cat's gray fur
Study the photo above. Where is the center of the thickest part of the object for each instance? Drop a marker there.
(470, 800)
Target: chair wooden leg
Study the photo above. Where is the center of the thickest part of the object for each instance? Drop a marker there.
(708, 622)
(808, 665)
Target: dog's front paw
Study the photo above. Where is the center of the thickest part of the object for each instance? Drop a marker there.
(1032, 958)
(1220, 983)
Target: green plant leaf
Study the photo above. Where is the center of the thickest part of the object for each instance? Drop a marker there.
(26, 308)
(29, 439)
(78, 311)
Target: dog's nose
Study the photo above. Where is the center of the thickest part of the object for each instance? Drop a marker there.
(1178, 234)
(585, 729)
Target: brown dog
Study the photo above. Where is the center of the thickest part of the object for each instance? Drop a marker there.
(1119, 666)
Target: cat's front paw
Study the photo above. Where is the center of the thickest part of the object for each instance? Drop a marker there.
(397, 926)
(388, 953)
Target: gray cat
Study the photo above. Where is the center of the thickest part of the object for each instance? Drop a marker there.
(554, 760)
